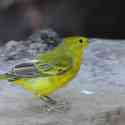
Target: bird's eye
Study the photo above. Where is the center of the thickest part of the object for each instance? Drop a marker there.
(80, 40)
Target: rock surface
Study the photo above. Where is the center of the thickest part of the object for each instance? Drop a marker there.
(95, 97)
(37, 42)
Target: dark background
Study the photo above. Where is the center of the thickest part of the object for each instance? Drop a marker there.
(93, 18)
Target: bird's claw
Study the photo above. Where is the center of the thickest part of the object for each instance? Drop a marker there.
(60, 107)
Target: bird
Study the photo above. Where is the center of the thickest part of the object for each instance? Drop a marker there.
(52, 69)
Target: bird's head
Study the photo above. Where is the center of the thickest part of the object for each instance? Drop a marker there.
(76, 43)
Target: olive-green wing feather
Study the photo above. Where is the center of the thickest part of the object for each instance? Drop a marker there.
(58, 65)
(43, 67)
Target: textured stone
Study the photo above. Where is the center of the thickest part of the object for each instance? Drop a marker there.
(15, 50)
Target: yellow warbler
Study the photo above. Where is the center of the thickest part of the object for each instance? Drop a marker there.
(51, 70)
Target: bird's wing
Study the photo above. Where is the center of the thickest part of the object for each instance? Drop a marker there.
(54, 66)
(24, 70)
(43, 68)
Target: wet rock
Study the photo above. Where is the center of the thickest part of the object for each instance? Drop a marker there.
(113, 117)
(38, 42)
(48, 37)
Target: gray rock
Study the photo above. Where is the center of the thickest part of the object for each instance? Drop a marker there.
(102, 73)
(38, 42)
(113, 117)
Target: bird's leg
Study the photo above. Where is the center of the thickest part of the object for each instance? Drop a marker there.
(50, 103)
(53, 105)
(48, 100)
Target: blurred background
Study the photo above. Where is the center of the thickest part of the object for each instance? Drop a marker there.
(98, 18)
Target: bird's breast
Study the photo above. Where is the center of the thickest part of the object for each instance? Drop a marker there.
(69, 75)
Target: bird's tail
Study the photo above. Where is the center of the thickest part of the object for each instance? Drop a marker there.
(3, 76)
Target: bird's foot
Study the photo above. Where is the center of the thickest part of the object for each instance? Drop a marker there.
(59, 106)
